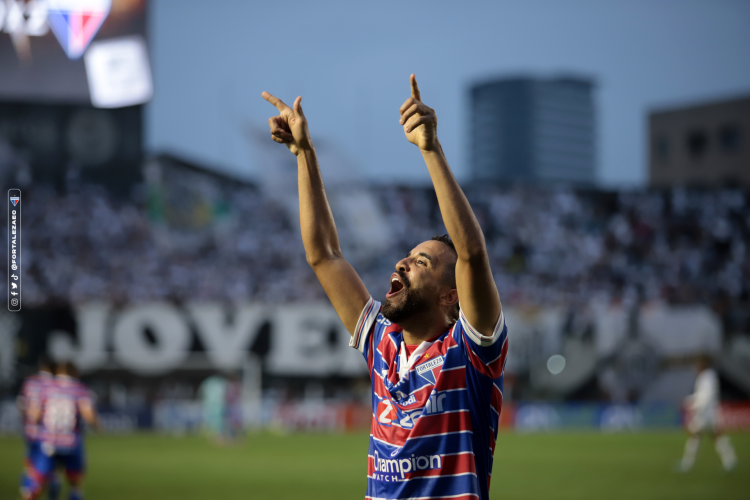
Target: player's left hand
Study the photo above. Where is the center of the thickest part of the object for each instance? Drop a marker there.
(290, 125)
(419, 121)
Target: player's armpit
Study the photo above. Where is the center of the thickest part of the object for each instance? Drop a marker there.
(477, 293)
(344, 288)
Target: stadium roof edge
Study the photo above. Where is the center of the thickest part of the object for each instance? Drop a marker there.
(181, 162)
(690, 104)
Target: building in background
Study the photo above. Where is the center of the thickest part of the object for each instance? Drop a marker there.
(700, 145)
(533, 131)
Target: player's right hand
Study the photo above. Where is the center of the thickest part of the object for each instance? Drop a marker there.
(289, 126)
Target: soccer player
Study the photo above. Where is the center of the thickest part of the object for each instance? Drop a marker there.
(30, 395)
(63, 405)
(702, 406)
(436, 347)
(213, 394)
(233, 414)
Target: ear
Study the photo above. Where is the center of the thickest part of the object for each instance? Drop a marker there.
(448, 296)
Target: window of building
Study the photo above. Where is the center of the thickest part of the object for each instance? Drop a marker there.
(661, 148)
(697, 144)
(729, 138)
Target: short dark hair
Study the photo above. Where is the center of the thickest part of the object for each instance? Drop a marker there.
(68, 368)
(445, 238)
(450, 274)
(45, 364)
(704, 360)
(450, 271)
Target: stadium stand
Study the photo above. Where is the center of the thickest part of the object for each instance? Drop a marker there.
(548, 247)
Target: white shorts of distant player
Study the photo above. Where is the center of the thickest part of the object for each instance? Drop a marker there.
(702, 420)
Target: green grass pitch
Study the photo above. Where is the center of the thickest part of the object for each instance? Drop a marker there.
(329, 466)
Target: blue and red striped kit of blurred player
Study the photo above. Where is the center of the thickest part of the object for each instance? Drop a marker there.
(57, 433)
(31, 396)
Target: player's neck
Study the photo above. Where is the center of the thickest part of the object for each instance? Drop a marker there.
(423, 327)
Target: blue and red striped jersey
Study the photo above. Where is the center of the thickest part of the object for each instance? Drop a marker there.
(31, 395)
(61, 423)
(435, 412)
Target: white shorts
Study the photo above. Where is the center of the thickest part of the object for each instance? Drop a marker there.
(702, 421)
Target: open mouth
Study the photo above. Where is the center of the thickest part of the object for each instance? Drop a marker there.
(397, 285)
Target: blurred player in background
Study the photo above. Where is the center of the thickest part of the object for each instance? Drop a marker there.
(213, 394)
(436, 368)
(702, 408)
(233, 415)
(60, 411)
(30, 396)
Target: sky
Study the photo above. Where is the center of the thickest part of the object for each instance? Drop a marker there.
(351, 61)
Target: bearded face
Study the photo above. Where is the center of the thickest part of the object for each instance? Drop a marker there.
(404, 300)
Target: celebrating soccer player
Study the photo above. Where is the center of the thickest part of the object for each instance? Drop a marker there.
(436, 347)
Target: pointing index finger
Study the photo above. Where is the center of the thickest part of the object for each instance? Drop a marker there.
(275, 101)
(415, 88)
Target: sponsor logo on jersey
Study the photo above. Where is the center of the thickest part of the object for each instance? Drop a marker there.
(434, 404)
(429, 370)
(76, 22)
(386, 413)
(404, 401)
(15, 200)
(391, 470)
(381, 319)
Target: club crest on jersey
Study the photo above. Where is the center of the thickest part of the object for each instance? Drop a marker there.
(76, 22)
(429, 370)
(15, 200)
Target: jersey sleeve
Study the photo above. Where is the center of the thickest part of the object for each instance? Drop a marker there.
(364, 339)
(32, 393)
(487, 354)
(24, 393)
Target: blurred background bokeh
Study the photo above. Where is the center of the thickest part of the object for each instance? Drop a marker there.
(605, 148)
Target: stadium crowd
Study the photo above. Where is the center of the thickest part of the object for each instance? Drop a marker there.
(547, 246)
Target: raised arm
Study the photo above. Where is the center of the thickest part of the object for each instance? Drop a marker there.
(477, 292)
(340, 281)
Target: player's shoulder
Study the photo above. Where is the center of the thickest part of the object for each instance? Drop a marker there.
(29, 382)
(80, 387)
(384, 322)
(68, 385)
(712, 375)
(370, 319)
(45, 387)
(382, 325)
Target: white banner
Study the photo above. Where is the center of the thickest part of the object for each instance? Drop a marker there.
(152, 339)
(309, 339)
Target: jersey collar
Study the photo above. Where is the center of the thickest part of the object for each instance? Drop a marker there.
(406, 362)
